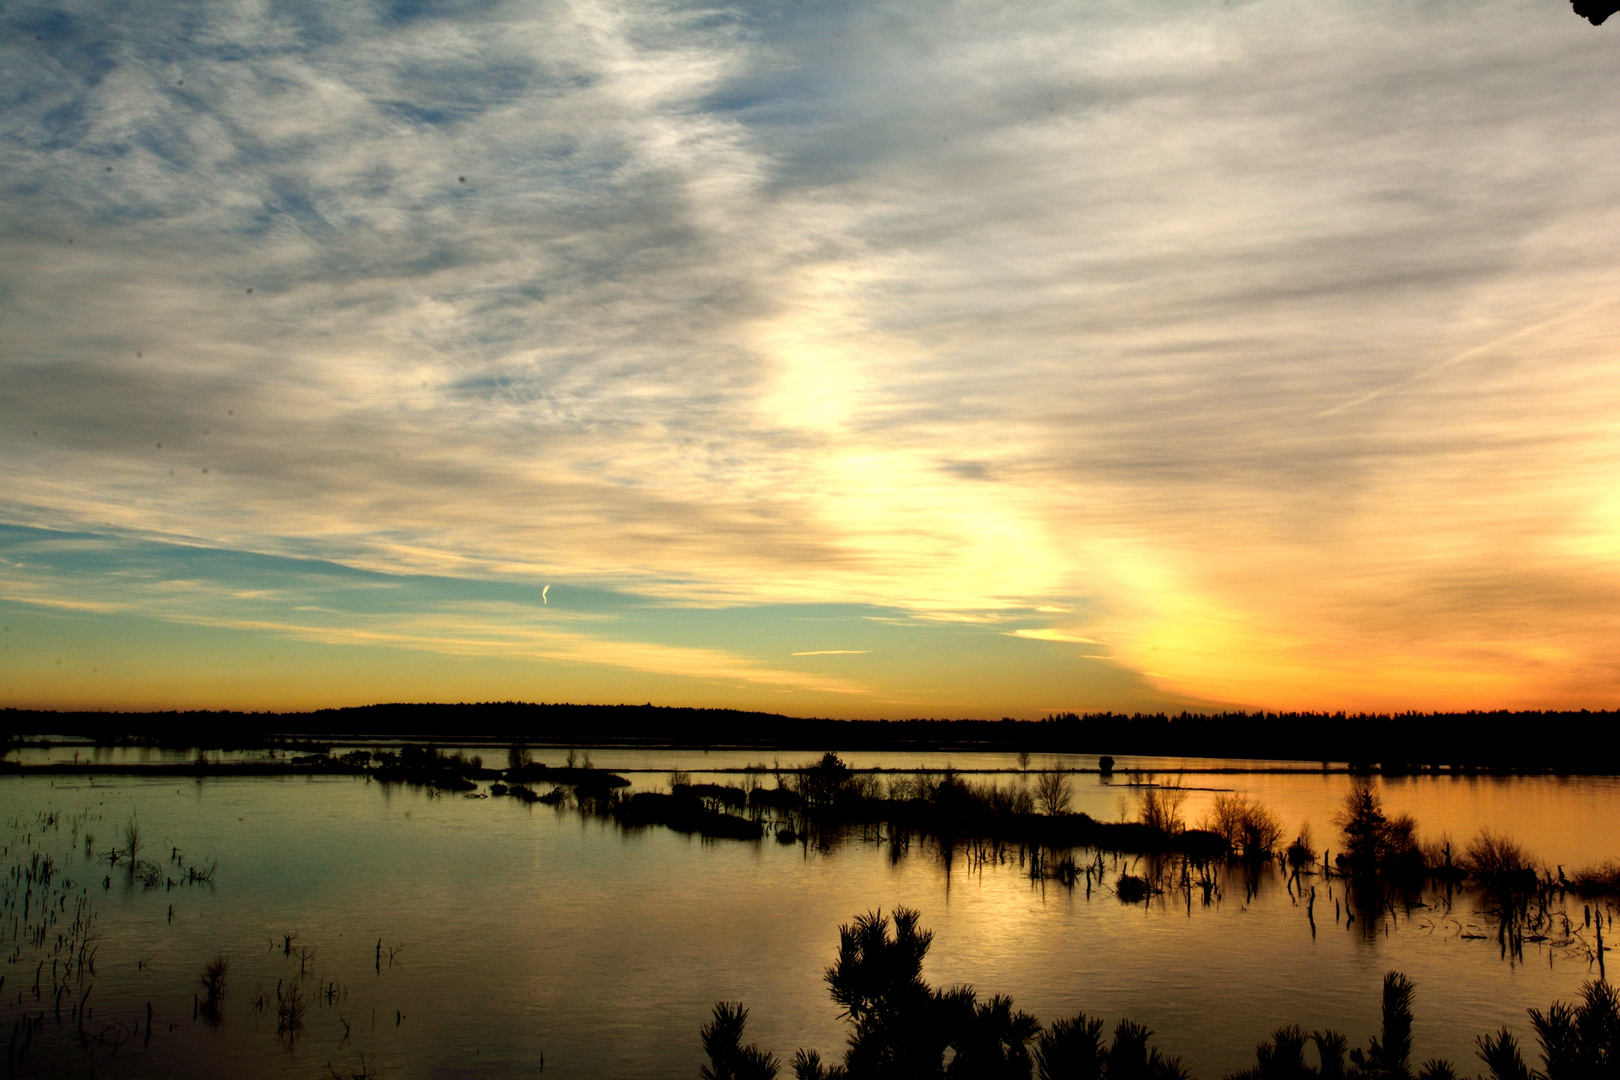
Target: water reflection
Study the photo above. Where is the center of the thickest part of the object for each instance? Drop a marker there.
(456, 936)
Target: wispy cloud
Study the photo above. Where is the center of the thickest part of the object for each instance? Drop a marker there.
(1048, 634)
(951, 311)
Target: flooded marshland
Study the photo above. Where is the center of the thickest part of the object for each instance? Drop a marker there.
(392, 930)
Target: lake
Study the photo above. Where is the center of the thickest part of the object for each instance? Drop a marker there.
(444, 936)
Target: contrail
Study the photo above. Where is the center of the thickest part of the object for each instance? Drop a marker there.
(1467, 354)
(543, 592)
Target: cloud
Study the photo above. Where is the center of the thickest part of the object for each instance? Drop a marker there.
(1230, 329)
(320, 603)
(1047, 634)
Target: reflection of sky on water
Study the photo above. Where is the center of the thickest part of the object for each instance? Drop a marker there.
(1557, 819)
(527, 929)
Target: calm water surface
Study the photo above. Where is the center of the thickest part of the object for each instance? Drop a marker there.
(520, 930)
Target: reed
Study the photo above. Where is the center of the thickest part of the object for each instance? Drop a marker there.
(213, 979)
(132, 838)
(290, 1007)
(366, 1071)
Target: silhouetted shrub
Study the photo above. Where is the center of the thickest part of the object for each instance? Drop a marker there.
(685, 813)
(1577, 1041)
(1245, 825)
(728, 1058)
(717, 795)
(900, 1028)
(1601, 880)
(1052, 793)
(1388, 1057)
(1302, 851)
(1499, 863)
(1132, 889)
(1159, 805)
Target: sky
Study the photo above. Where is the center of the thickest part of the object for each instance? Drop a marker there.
(845, 359)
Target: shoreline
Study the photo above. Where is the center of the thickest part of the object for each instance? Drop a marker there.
(1125, 773)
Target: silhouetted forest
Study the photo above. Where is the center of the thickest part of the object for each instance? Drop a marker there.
(1574, 742)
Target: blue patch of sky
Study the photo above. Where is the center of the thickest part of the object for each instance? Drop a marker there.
(485, 385)
(61, 127)
(418, 114)
(401, 12)
(72, 50)
(171, 144)
(291, 200)
(112, 559)
(316, 23)
(43, 23)
(919, 666)
(128, 566)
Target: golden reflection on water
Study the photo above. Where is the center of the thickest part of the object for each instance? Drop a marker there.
(524, 930)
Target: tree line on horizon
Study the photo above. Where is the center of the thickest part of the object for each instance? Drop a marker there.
(1584, 741)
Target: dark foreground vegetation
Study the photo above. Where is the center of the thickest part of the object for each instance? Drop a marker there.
(900, 1028)
(1572, 742)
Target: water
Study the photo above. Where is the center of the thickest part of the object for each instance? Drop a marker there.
(520, 930)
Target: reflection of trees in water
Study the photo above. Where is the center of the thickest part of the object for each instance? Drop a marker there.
(1382, 879)
(1513, 910)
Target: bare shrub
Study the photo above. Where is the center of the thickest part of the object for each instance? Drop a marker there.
(1601, 880)
(1052, 793)
(1401, 841)
(1011, 800)
(1438, 853)
(904, 788)
(132, 837)
(1493, 858)
(865, 786)
(1245, 825)
(1159, 805)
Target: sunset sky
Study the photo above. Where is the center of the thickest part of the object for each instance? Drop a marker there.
(850, 359)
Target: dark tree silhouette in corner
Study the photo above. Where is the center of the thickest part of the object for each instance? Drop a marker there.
(1595, 11)
(728, 1058)
(902, 1029)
